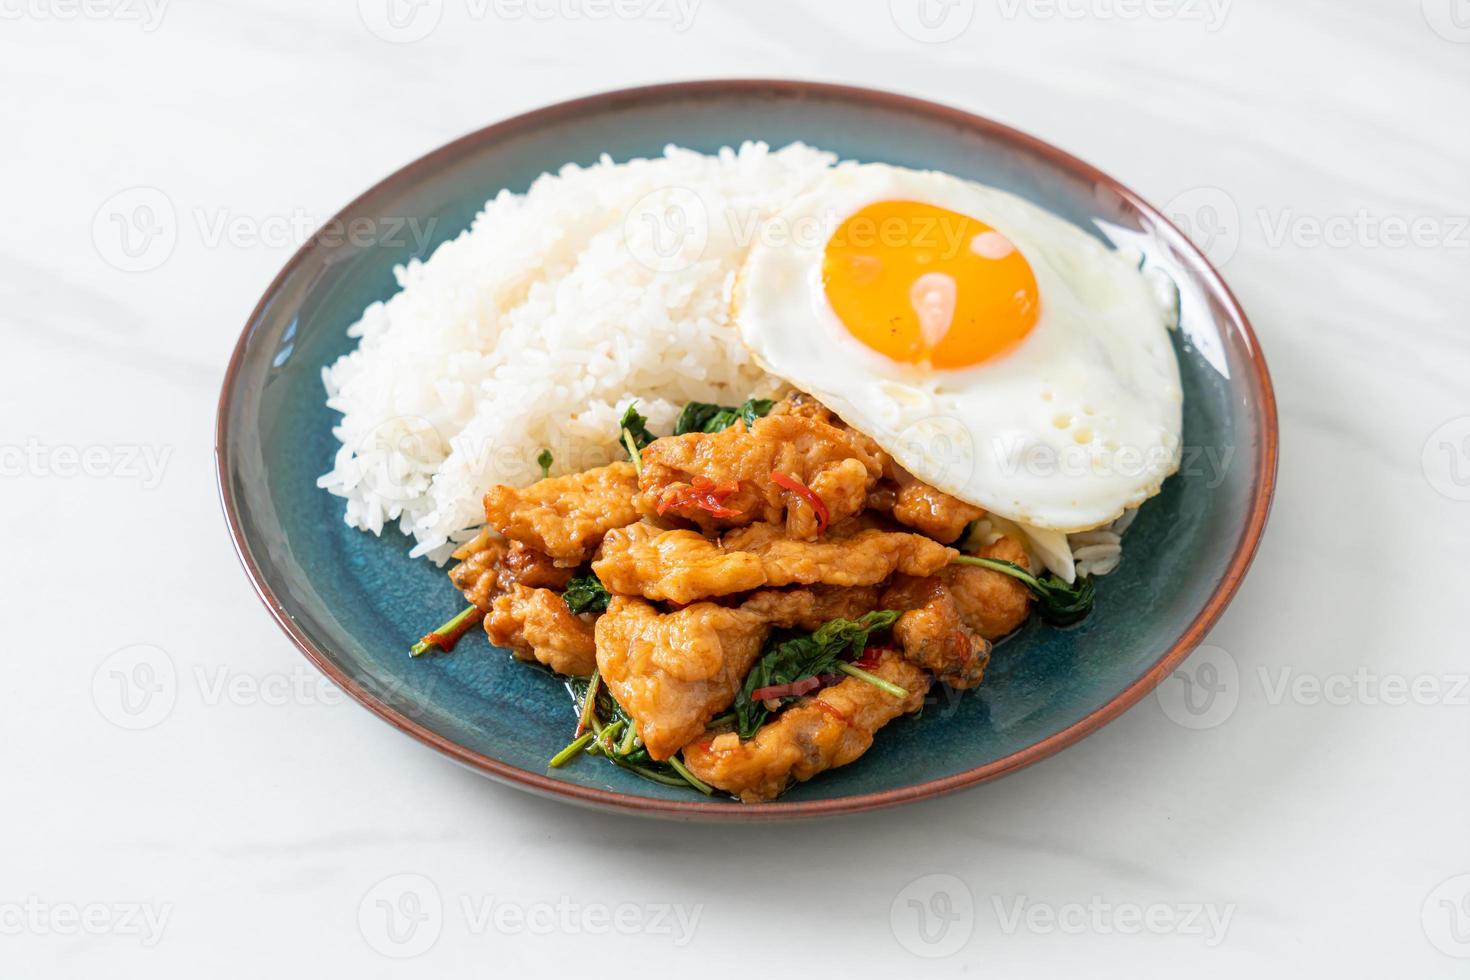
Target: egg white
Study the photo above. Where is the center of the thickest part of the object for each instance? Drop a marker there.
(1077, 422)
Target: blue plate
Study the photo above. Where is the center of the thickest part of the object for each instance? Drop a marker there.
(354, 603)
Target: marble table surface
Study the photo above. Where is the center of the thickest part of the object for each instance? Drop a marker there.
(1314, 822)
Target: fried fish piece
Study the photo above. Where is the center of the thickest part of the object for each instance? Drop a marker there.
(993, 604)
(566, 516)
(673, 566)
(851, 554)
(673, 672)
(829, 729)
(536, 624)
(941, 516)
(718, 480)
(683, 566)
(932, 634)
(810, 609)
(951, 617)
(490, 565)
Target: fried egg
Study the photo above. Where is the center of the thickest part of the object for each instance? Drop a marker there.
(996, 351)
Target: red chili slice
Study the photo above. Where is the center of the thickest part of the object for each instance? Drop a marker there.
(446, 640)
(703, 493)
(834, 713)
(871, 656)
(805, 493)
(794, 689)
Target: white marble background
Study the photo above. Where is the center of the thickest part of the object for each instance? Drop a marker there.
(1317, 824)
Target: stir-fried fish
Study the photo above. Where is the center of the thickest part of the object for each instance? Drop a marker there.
(993, 605)
(920, 506)
(790, 524)
(682, 565)
(729, 479)
(673, 672)
(490, 566)
(536, 625)
(566, 516)
(950, 617)
(673, 566)
(829, 729)
(933, 635)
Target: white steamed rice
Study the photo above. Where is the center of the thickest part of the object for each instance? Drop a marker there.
(538, 325)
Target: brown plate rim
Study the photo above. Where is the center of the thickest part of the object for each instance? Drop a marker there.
(1245, 549)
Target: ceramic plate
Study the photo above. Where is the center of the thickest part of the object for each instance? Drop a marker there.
(354, 603)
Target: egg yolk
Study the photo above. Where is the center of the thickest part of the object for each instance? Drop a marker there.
(929, 286)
